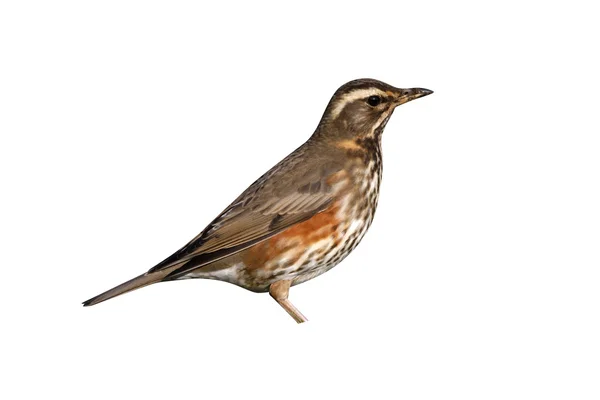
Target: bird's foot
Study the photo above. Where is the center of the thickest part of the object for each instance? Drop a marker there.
(280, 291)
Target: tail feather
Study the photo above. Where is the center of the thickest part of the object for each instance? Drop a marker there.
(133, 284)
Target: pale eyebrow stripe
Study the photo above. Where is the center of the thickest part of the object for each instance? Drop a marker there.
(352, 96)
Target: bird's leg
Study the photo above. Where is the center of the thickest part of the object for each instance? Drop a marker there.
(279, 291)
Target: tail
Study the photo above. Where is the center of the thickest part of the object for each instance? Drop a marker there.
(143, 280)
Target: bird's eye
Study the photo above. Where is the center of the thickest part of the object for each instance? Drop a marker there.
(374, 101)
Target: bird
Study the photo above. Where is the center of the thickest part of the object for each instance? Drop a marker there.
(303, 216)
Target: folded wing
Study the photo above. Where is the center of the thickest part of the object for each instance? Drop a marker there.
(281, 198)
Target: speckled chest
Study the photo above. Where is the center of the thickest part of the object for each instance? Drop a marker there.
(330, 242)
(313, 247)
(358, 211)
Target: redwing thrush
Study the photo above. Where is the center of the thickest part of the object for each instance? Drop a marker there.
(303, 216)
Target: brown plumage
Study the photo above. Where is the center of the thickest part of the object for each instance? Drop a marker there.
(303, 216)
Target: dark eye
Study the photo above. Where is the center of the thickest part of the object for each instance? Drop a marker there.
(374, 101)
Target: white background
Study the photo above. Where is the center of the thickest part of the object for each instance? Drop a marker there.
(127, 126)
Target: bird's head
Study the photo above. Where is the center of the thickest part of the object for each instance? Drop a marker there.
(361, 108)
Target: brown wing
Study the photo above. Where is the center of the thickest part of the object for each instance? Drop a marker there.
(284, 196)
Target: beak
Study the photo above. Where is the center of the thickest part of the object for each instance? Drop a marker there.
(407, 95)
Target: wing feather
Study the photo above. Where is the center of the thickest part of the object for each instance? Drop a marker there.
(281, 198)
